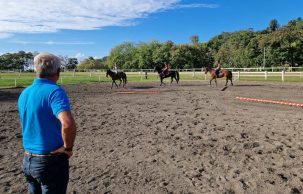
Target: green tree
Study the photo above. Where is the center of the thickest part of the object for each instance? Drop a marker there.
(71, 63)
(273, 25)
(20, 60)
(163, 53)
(182, 57)
(296, 24)
(194, 40)
(124, 56)
(145, 54)
(90, 63)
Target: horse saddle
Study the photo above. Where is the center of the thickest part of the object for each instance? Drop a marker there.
(166, 72)
(219, 74)
(118, 72)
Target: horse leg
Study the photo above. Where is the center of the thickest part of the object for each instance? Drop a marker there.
(171, 81)
(231, 81)
(162, 81)
(226, 81)
(120, 82)
(115, 83)
(212, 80)
(176, 79)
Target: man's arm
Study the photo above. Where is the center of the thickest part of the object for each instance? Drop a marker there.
(68, 131)
(68, 128)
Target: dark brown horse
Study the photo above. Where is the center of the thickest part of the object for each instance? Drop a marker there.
(120, 75)
(223, 73)
(173, 74)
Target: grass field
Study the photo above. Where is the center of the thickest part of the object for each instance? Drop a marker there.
(10, 80)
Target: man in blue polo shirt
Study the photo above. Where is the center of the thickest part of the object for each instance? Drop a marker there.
(48, 129)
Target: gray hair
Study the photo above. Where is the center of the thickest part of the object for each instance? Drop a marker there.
(46, 64)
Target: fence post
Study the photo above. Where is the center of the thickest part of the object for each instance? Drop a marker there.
(74, 73)
(141, 74)
(193, 72)
(15, 82)
(61, 80)
(265, 75)
(99, 78)
(283, 74)
(238, 75)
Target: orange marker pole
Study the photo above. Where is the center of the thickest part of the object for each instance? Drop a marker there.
(270, 101)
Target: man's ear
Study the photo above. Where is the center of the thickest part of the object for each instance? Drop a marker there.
(58, 72)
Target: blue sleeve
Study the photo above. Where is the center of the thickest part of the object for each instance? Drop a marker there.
(59, 102)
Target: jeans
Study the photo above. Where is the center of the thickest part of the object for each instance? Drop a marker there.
(46, 174)
(217, 72)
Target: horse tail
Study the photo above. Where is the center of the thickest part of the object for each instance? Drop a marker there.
(231, 75)
(125, 79)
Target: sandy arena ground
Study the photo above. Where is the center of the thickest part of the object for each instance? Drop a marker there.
(189, 138)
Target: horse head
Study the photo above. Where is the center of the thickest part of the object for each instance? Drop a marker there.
(107, 72)
(207, 69)
(158, 69)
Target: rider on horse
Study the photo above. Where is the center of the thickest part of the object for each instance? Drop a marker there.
(165, 69)
(218, 69)
(116, 68)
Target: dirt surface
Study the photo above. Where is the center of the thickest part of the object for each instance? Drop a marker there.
(190, 138)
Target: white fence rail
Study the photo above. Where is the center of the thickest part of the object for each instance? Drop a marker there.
(143, 74)
(267, 74)
(254, 69)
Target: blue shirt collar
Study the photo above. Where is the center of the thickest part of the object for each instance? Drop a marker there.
(43, 81)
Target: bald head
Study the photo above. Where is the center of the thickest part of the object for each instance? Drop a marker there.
(47, 65)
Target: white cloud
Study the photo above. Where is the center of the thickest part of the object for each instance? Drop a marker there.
(36, 16)
(212, 6)
(52, 42)
(80, 56)
(5, 35)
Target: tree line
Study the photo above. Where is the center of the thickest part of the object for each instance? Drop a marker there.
(274, 46)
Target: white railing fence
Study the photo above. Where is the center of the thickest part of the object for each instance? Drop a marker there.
(196, 74)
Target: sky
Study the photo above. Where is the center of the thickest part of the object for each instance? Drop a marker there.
(84, 28)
